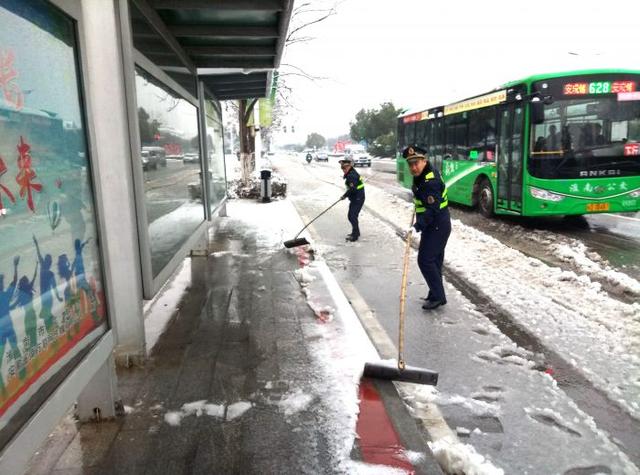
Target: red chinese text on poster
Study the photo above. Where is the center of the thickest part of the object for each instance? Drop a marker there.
(3, 170)
(8, 85)
(26, 174)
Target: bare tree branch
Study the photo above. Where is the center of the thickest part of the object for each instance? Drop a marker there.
(301, 73)
(290, 36)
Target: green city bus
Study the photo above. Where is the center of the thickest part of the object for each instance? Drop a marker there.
(551, 144)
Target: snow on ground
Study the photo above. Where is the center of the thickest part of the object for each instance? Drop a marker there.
(569, 313)
(578, 257)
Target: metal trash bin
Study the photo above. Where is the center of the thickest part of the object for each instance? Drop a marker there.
(265, 185)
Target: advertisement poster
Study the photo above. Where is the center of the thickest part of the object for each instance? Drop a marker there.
(51, 292)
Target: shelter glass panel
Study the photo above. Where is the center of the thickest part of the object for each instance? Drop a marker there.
(52, 304)
(170, 160)
(215, 150)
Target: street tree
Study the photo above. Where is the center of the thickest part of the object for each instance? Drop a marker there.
(315, 140)
(377, 128)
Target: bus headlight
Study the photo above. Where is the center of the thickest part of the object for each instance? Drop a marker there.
(545, 195)
(635, 194)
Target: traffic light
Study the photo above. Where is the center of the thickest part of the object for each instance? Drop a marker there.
(285, 129)
(292, 130)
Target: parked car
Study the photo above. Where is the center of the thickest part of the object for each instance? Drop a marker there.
(322, 157)
(361, 160)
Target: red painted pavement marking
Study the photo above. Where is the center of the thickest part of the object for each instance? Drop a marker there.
(303, 256)
(378, 440)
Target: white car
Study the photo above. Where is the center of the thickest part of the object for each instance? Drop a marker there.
(361, 160)
(322, 157)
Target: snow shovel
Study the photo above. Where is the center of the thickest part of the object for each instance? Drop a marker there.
(296, 241)
(404, 373)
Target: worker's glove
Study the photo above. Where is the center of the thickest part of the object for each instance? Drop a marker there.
(405, 233)
(343, 197)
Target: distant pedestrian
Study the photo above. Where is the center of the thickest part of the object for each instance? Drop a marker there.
(432, 220)
(355, 193)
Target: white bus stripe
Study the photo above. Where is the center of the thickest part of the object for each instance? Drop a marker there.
(460, 175)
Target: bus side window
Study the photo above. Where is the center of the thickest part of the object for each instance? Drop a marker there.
(409, 133)
(482, 135)
(438, 142)
(428, 138)
(421, 133)
(490, 135)
(456, 136)
(401, 142)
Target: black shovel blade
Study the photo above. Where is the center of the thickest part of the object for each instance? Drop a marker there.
(295, 242)
(391, 372)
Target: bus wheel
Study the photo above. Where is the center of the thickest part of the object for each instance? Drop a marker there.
(485, 199)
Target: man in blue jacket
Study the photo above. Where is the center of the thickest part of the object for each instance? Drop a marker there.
(355, 193)
(432, 220)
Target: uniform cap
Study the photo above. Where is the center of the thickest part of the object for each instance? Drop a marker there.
(413, 152)
(346, 160)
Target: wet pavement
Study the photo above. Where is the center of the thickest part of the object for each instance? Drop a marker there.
(254, 374)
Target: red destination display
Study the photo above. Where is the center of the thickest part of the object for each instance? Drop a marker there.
(598, 87)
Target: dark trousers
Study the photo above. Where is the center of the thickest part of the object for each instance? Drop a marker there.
(431, 257)
(355, 206)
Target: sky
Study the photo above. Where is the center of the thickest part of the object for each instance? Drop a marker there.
(419, 53)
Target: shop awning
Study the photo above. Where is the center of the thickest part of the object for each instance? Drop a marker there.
(232, 45)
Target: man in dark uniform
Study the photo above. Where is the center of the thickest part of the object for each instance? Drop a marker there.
(432, 219)
(355, 193)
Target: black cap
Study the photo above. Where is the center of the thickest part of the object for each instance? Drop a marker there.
(413, 152)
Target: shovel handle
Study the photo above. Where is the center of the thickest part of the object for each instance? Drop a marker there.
(403, 295)
(307, 225)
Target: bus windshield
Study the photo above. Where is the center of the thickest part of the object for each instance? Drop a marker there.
(586, 137)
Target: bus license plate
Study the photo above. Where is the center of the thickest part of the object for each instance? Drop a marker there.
(598, 207)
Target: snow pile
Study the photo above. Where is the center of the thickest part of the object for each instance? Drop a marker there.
(457, 458)
(236, 409)
(588, 263)
(303, 276)
(577, 256)
(295, 402)
(362, 468)
(199, 408)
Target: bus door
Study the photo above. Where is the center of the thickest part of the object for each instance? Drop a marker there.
(509, 158)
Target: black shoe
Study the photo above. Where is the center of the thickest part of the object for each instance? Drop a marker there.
(431, 304)
(352, 238)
